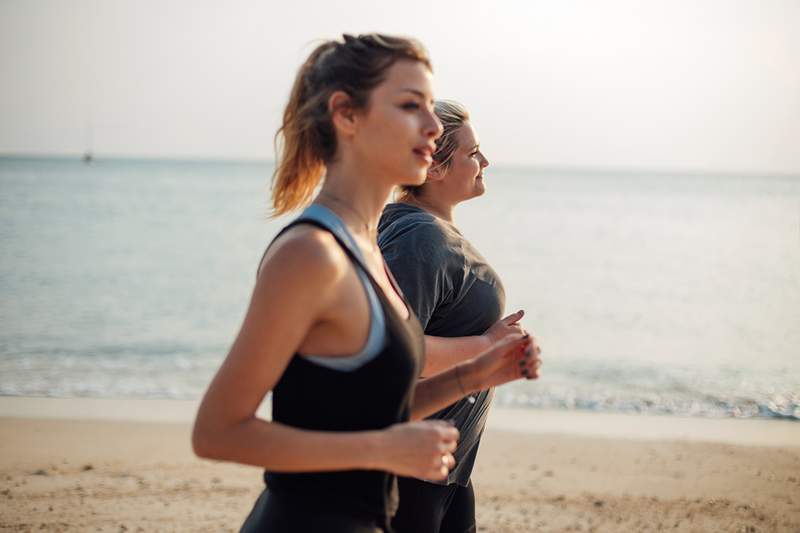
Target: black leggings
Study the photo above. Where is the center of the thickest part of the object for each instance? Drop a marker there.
(281, 513)
(430, 508)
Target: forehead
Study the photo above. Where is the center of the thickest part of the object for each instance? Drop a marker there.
(466, 136)
(406, 75)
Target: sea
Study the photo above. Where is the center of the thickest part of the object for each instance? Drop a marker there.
(649, 292)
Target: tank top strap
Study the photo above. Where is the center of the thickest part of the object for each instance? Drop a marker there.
(331, 221)
(326, 219)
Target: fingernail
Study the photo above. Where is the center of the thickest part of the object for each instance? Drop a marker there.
(526, 335)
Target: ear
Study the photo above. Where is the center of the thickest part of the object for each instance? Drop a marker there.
(436, 173)
(340, 106)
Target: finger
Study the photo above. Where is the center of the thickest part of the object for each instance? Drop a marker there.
(445, 423)
(512, 340)
(532, 370)
(530, 361)
(448, 446)
(535, 344)
(450, 460)
(526, 344)
(442, 464)
(446, 431)
(440, 470)
(532, 348)
(442, 425)
(513, 318)
(525, 368)
(529, 365)
(511, 346)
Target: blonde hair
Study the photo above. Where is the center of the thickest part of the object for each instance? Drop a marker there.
(306, 140)
(452, 115)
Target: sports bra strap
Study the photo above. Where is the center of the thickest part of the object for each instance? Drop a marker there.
(324, 218)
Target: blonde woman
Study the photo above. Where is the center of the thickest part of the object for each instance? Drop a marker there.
(456, 295)
(326, 330)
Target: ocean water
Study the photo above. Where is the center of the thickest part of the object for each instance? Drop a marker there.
(658, 293)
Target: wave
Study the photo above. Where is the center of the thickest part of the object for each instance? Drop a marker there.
(623, 386)
(611, 386)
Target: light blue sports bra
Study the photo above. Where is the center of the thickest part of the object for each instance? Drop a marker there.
(376, 340)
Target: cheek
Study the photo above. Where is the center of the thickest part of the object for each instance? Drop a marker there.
(474, 168)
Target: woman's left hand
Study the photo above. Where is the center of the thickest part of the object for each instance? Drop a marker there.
(504, 327)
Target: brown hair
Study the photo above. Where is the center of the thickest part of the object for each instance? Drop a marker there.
(306, 140)
(452, 115)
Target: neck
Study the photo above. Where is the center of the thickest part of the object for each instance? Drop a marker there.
(437, 208)
(357, 199)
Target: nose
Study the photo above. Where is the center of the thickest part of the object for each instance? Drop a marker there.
(483, 161)
(433, 126)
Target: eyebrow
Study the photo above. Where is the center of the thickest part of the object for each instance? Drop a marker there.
(415, 92)
(475, 147)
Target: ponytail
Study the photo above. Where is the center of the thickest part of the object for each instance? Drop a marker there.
(306, 141)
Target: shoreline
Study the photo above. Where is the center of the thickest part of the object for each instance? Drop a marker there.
(734, 431)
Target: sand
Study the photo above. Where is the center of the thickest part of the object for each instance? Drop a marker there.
(126, 465)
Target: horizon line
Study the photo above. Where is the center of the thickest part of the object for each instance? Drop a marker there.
(513, 167)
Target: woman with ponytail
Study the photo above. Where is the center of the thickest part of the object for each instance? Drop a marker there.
(327, 331)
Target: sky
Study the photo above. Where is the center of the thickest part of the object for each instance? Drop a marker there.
(694, 85)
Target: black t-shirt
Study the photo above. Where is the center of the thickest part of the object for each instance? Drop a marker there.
(454, 293)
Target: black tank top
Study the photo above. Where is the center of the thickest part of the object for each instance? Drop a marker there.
(374, 396)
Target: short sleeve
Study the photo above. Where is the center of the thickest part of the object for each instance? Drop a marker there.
(415, 255)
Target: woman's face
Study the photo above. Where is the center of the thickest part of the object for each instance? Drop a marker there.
(395, 136)
(463, 179)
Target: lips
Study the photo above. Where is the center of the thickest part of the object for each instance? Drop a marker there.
(425, 152)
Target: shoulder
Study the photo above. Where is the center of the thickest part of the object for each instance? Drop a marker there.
(412, 227)
(306, 254)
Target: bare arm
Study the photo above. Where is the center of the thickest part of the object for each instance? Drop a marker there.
(442, 353)
(514, 357)
(296, 289)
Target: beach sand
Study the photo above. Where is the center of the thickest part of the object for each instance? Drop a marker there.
(126, 465)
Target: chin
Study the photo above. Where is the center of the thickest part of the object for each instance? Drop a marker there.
(415, 178)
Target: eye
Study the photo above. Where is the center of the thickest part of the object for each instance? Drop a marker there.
(410, 106)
